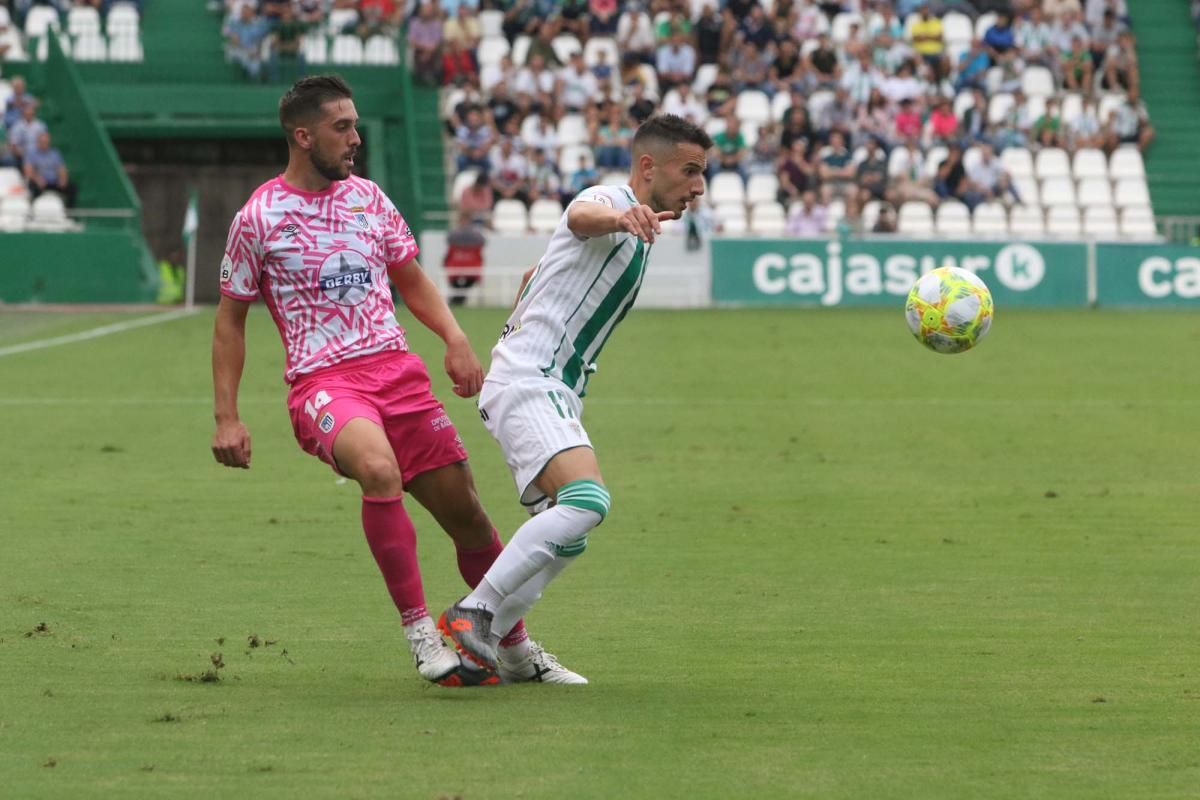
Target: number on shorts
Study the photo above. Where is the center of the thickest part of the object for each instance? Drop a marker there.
(320, 400)
(560, 406)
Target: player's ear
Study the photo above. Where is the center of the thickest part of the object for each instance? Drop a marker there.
(646, 165)
(303, 138)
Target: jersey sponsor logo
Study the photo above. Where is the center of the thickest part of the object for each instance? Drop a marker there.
(327, 422)
(345, 278)
(226, 268)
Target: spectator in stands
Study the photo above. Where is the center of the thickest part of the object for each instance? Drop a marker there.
(1104, 37)
(425, 43)
(635, 34)
(7, 157)
(1085, 130)
(1121, 65)
(874, 120)
(641, 108)
(577, 85)
(1015, 127)
(501, 106)
(755, 29)
(458, 65)
(1000, 40)
(610, 140)
(1077, 67)
(928, 42)
(544, 180)
(520, 18)
(806, 22)
(671, 24)
(474, 139)
(1094, 11)
(603, 17)
(889, 47)
(310, 12)
(1047, 131)
(752, 69)
(510, 172)
(904, 85)
(912, 183)
(796, 174)
(871, 175)
(974, 122)
(972, 67)
(478, 199)
(379, 18)
(838, 114)
(886, 221)
(16, 101)
(1066, 28)
(682, 102)
(822, 65)
(952, 181)
(272, 11)
(787, 70)
(244, 35)
(835, 168)
(907, 122)
(542, 46)
(585, 175)
(719, 97)
(730, 144)
(698, 223)
(465, 29)
(287, 39)
(1035, 38)
(676, 62)
(503, 72)
(573, 18)
(861, 78)
(1056, 9)
(708, 34)
(24, 133)
(942, 125)
(989, 178)
(1131, 123)
(602, 69)
(46, 171)
(464, 257)
(764, 153)
(535, 80)
(543, 135)
(806, 218)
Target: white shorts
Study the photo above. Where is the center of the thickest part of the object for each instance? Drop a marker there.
(533, 419)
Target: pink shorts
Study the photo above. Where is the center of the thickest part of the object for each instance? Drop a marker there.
(392, 390)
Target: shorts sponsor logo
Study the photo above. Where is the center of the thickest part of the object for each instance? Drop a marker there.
(441, 423)
(345, 278)
(327, 422)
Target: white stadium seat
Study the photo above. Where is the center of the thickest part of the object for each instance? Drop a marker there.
(520, 49)
(898, 161)
(491, 22)
(510, 217)
(999, 106)
(1071, 107)
(1063, 221)
(461, 181)
(971, 158)
(1126, 162)
(1017, 161)
(544, 215)
(83, 20)
(1052, 162)
(984, 22)
(1027, 190)
(916, 219)
(767, 218)
(564, 46)
(1089, 163)
(90, 47)
(49, 213)
(839, 31)
(1094, 192)
(1100, 222)
(340, 20)
(614, 178)
(603, 44)
(1026, 221)
(753, 108)
(490, 50)
(870, 214)
(934, 157)
(1137, 222)
(835, 212)
(990, 219)
(315, 47)
(347, 49)
(1037, 81)
(1057, 192)
(957, 28)
(1109, 102)
(780, 104)
(731, 217)
(124, 47)
(953, 219)
(761, 188)
(381, 50)
(726, 187)
(122, 20)
(1131, 192)
(569, 155)
(11, 182)
(572, 129)
(41, 19)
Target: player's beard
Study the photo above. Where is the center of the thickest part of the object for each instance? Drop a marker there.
(333, 169)
(659, 204)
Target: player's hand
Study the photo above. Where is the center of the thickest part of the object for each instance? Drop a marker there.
(644, 222)
(464, 368)
(231, 445)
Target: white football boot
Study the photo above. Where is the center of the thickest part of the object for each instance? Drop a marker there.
(537, 667)
(435, 660)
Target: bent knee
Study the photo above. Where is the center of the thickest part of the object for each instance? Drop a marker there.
(587, 495)
(378, 476)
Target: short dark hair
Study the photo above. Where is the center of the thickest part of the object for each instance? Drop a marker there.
(669, 129)
(301, 104)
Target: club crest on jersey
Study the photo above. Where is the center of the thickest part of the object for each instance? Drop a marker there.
(360, 217)
(345, 277)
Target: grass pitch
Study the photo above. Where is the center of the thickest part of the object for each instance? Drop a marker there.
(838, 566)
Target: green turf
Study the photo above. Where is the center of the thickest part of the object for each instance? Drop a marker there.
(837, 566)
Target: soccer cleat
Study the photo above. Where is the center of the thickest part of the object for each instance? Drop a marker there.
(435, 661)
(538, 667)
(471, 631)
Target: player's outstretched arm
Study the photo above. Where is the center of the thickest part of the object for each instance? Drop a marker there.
(231, 442)
(427, 305)
(589, 219)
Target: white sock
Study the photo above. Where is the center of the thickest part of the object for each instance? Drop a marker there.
(558, 532)
(517, 604)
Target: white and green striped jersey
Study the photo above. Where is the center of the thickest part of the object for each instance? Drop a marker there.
(580, 290)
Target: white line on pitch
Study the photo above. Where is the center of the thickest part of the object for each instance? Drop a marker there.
(94, 333)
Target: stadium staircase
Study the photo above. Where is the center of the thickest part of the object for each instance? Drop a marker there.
(1171, 89)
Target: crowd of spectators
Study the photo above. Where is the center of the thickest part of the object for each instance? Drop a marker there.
(27, 146)
(845, 84)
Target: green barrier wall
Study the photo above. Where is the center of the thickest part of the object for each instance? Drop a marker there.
(99, 266)
(822, 272)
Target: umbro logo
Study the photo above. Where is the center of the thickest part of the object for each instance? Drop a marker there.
(290, 231)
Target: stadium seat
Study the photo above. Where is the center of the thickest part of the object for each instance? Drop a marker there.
(347, 49)
(990, 219)
(753, 108)
(780, 104)
(839, 30)
(1137, 222)
(82, 20)
(731, 217)
(962, 101)
(1070, 107)
(15, 205)
(41, 19)
(650, 80)
(1131, 192)
(835, 212)
(1017, 161)
(1063, 221)
(340, 20)
(565, 45)
(916, 219)
(1094, 192)
(315, 47)
(510, 217)
(1109, 102)
(490, 50)
(999, 105)
(569, 155)
(491, 22)
(953, 219)
(1027, 189)
(1035, 106)
(1052, 162)
(520, 49)
(124, 47)
(381, 50)
(767, 219)
(49, 213)
(957, 28)
(1100, 222)
(726, 187)
(971, 158)
(1057, 192)
(461, 181)
(934, 157)
(572, 129)
(1126, 162)
(11, 182)
(817, 102)
(705, 75)
(544, 215)
(898, 161)
(761, 188)
(1089, 163)
(597, 44)
(6, 92)
(870, 214)
(122, 20)
(984, 22)
(1026, 221)
(89, 47)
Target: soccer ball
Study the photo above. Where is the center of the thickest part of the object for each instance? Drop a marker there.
(949, 309)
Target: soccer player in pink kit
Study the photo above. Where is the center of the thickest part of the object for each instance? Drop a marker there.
(318, 244)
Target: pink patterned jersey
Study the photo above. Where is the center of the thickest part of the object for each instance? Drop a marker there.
(320, 262)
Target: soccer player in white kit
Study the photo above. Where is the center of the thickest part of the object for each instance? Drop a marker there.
(531, 402)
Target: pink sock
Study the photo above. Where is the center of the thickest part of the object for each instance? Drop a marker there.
(393, 542)
(472, 564)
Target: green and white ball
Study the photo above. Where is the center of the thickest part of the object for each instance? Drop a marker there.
(949, 310)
